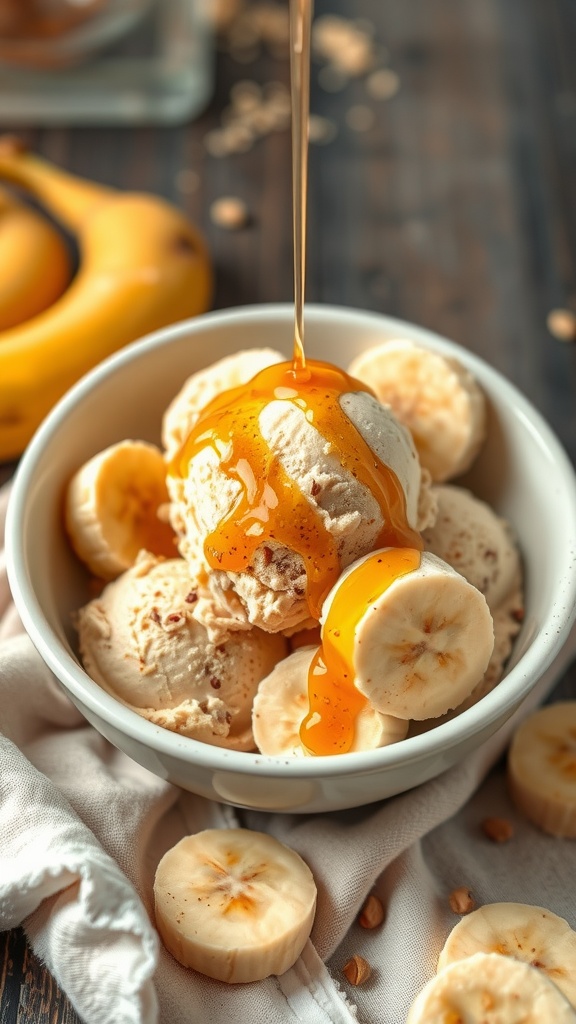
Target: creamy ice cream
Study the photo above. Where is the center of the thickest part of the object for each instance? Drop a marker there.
(338, 506)
(475, 541)
(141, 643)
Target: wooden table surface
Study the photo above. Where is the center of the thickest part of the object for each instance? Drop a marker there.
(455, 208)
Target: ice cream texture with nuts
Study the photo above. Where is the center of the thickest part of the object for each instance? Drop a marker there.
(290, 483)
(140, 641)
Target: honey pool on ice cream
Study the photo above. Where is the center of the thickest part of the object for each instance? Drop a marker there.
(296, 570)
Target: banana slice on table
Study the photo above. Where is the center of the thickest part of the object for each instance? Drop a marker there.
(522, 931)
(234, 904)
(111, 508)
(488, 988)
(417, 637)
(542, 768)
(281, 704)
(434, 396)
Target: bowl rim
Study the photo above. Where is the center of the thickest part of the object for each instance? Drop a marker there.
(497, 705)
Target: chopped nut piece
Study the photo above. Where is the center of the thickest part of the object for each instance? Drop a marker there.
(321, 129)
(332, 79)
(499, 830)
(382, 84)
(222, 13)
(372, 913)
(461, 900)
(360, 118)
(216, 143)
(357, 970)
(342, 44)
(562, 324)
(245, 96)
(229, 212)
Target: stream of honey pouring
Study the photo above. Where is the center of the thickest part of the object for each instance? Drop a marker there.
(270, 505)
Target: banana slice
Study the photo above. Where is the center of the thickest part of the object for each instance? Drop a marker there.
(111, 508)
(434, 396)
(281, 704)
(542, 768)
(234, 904)
(528, 933)
(202, 387)
(416, 635)
(488, 988)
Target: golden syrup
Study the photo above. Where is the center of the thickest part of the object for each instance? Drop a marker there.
(333, 698)
(300, 25)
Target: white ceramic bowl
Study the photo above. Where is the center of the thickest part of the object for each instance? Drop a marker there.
(522, 471)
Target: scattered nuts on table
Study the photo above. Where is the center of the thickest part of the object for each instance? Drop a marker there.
(372, 913)
(499, 830)
(382, 84)
(229, 212)
(357, 970)
(321, 129)
(461, 900)
(562, 324)
(343, 44)
(360, 118)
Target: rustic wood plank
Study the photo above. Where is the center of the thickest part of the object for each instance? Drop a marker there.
(28, 993)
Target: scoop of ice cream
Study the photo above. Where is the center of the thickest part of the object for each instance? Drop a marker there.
(271, 592)
(141, 643)
(475, 541)
(200, 388)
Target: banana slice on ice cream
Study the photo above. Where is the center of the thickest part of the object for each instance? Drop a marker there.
(281, 704)
(522, 931)
(417, 637)
(111, 508)
(234, 904)
(542, 768)
(488, 988)
(434, 396)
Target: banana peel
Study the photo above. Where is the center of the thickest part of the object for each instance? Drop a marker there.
(35, 262)
(143, 265)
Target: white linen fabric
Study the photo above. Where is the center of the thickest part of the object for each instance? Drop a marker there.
(82, 828)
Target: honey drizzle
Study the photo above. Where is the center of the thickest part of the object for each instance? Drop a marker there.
(333, 698)
(300, 22)
(270, 506)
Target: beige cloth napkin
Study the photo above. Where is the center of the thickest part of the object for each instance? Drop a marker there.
(82, 828)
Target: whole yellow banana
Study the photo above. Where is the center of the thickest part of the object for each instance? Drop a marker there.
(35, 264)
(143, 265)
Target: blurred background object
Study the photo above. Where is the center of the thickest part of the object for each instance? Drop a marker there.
(57, 33)
(104, 62)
